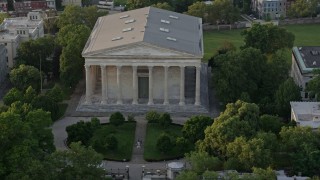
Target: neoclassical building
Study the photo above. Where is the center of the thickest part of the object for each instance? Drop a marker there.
(145, 56)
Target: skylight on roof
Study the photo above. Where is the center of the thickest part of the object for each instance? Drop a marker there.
(165, 21)
(117, 38)
(127, 29)
(173, 17)
(164, 30)
(171, 39)
(129, 21)
(124, 16)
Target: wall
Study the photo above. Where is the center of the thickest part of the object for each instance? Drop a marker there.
(300, 21)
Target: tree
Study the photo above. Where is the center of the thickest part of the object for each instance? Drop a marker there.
(3, 16)
(12, 95)
(198, 9)
(82, 131)
(39, 122)
(269, 123)
(202, 161)
(165, 120)
(193, 129)
(116, 119)
(302, 145)
(234, 69)
(313, 87)
(46, 103)
(223, 12)
(76, 15)
(163, 5)
(268, 38)
(187, 175)
(56, 93)
(239, 119)
(72, 38)
(77, 163)
(264, 174)
(164, 143)
(303, 8)
(249, 153)
(25, 76)
(33, 51)
(152, 117)
(210, 175)
(135, 4)
(288, 91)
(29, 95)
(223, 49)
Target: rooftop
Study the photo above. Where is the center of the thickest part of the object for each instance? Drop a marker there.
(306, 113)
(307, 57)
(151, 25)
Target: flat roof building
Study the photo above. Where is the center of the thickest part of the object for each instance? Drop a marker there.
(306, 113)
(304, 60)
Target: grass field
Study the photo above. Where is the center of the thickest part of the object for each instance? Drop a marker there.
(305, 35)
(125, 135)
(154, 130)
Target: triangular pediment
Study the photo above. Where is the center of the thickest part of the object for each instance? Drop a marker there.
(138, 50)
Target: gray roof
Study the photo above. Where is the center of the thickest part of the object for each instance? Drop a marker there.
(151, 25)
(307, 57)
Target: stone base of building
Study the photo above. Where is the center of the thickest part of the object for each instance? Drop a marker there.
(142, 107)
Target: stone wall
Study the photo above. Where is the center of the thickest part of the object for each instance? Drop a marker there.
(308, 20)
(207, 27)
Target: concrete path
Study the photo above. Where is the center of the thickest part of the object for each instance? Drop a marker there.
(138, 146)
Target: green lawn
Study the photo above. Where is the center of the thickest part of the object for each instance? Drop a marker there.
(125, 135)
(154, 130)
(305, 35)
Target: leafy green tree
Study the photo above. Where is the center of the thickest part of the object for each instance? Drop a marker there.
(182, 144)
(56, 93)
(187, 175)
(33, 51)
(82, 131)
(46, 103)
(152, 117)
(210, 175)
(202, 161)
(270, 123)
(20, 108)
(163, 5)
(25, 76)
(313, 87)
(135, 4)
(239, 119)
(223, 11)
(223, 49)
(164, 143)
(302, 8)
(237, 68)
(77, 163)
(288, 91)
(268, 38)
(198, 9)
(72, 38)
(3, 16)
(39, 122)
(249, 153)
(12, 95)
(193, 129)
(116, 119)
(29, 95)
(264, 174)
(76, 15)
(302, 144)
(165, 120)
(18, 150)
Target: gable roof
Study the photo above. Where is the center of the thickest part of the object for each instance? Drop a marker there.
(158, 27)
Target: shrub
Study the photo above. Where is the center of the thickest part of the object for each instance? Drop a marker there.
(130, 118)
(164, 143)
(116, 119)
(153, 117)
(56, 93)
(111, 142)
(182, 144)
(165, 120)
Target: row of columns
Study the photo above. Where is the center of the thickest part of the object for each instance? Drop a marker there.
(89, 83)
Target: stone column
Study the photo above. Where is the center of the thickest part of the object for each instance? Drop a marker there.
(197, 98)
(88, 83)
(103, 84)
(182, 99)
(134, 85)
(119, 96)
(150, 86)
(165, 87)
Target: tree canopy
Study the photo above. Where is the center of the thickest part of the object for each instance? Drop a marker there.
(268, 38)
(25, 76)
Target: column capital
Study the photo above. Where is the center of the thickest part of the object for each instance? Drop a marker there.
(102, 66)
(119, 66)
(150, 67)
(182, 66)
(134, 67)
(87, 66)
